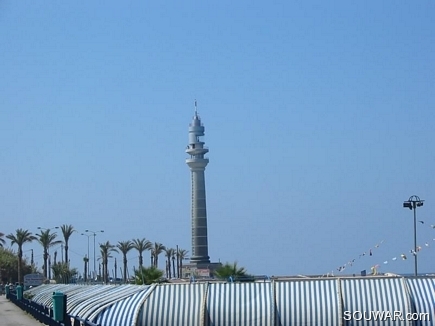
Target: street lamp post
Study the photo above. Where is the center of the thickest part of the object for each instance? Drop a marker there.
(412, 203)
(94, 233)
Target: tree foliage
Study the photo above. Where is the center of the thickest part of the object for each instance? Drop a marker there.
(147, 275)
(125, 247)
(170, 257)
(47, 240)
(9, 266)
(182, 255)
(62, 273)
(233, 272)
(106, 250)
(156, 250)
(20, 238)
(67, 231)
(141, 245)
(2, 240)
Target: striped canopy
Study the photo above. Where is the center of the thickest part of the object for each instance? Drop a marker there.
(309, 302)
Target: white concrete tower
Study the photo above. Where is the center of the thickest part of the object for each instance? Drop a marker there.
(197, 164)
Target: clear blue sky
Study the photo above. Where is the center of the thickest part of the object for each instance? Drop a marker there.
(319, 117)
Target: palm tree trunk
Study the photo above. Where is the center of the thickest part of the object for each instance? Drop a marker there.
(86, 270)
(125, 270)
(178, 264)
(45, 263)
(20, 262)
(140, 260)
(106, 274)
(66, 253)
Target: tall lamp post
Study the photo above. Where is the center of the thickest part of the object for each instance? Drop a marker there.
(94, 233)
(412, 203)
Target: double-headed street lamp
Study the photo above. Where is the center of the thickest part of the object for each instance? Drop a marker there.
(412, 203)
(94, 233)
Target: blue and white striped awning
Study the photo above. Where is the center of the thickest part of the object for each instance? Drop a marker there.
(239, 304)
(371, 295)
(422, 292)
(173, 304)
(307, 302)
(43, 294)
(87, 293)
(123, 312)
(108, 299)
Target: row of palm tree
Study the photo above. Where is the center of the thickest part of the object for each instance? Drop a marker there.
(141, 245)
(48, 239)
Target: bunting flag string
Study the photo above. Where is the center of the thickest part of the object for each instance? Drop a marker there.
(370, 252)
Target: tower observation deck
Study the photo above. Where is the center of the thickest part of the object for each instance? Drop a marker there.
(197, 163)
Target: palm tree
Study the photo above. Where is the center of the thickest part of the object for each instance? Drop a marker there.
(156, 250)
(141, 245)
(106, 249)
(2, 241)
(20, 238)
(67, 231)
(125, 247)
(62, 272)
(169, 252)
(86, 261)
(182, 254)
(47, 240)
(147, 275)
(230, 270)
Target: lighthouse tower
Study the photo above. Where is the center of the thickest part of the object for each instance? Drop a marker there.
(197, 163)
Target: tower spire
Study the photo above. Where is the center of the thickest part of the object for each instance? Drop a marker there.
(196, 111)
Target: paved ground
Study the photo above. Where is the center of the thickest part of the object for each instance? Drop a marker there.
(11, 315)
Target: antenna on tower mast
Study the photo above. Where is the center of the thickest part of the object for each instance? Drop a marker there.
(196, 113)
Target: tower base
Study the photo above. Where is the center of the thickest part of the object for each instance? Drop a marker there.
(200, 270)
